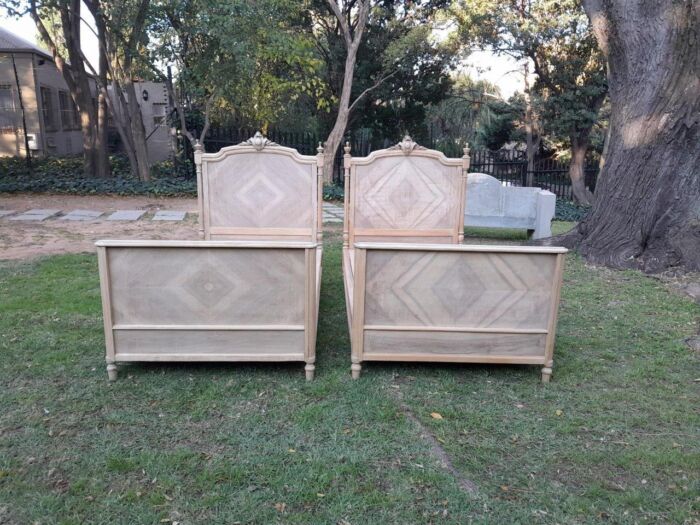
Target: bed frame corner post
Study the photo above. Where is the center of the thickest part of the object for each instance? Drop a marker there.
(466, 160)
(198, 151)
(107, 312)
(347, 161)
(552, 325)
(319, 193)
(358, 317)
(310, 311)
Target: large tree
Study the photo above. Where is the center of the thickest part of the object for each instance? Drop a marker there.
(647, 209)
(62, 36)
(382, 64)
(240, 62)
(352, 21)
(121, 33)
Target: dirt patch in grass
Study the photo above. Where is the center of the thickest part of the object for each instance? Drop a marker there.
(25, 240)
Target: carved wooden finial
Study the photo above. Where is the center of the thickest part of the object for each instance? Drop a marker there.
(198, 151)
(347, 148)
(319, 150)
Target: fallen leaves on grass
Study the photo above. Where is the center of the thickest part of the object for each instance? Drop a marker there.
(436, 415)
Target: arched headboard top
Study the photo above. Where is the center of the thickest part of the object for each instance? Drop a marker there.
(406, 193)
(407, 147)
(259, 190)
(258, 144)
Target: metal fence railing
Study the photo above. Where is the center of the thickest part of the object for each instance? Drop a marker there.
(508, 166)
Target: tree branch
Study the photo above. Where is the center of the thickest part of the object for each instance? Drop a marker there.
(371, 88)
(207, 107)
(46, 37)
(343, 23)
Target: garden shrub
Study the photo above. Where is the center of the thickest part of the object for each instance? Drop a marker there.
(569, 211)
(332, 192)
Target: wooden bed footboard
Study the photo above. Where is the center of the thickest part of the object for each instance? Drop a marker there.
(209, 301)
(453, 303)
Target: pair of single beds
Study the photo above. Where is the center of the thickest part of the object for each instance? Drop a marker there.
(250, 290)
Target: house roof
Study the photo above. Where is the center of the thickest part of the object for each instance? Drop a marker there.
(9, 42)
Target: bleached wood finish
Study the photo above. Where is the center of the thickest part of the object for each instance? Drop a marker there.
(260, 190)
(453, 303)
(209, 301)
(406, 193)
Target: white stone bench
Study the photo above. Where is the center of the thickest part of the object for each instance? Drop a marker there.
(490, 204)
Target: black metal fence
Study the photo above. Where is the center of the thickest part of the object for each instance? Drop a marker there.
(508, 166)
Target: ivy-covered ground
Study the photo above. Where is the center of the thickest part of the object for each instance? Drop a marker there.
(613, 439)
(64, 175)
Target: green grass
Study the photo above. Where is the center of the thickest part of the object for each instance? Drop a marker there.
(613, 439)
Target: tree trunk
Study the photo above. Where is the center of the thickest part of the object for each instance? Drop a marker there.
(27, 151)
(138, 132)
(647, 208)
(335, 137)
(352, 43)
(530, 151)
(103, 167)
(577, 173)
(88, 128)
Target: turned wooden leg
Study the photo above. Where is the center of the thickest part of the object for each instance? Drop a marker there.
(546, 374)
(356, 368)
(309, 369)
(112, 371)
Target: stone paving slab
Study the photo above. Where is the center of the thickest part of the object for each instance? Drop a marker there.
(35, 215)
(169, 215)
(5, 213)
(126, 215)
(82, 215)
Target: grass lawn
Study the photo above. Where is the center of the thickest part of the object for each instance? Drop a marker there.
(613, 439)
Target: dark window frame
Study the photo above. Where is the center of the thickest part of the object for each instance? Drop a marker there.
(48, 109)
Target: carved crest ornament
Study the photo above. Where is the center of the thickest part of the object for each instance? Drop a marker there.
(258, 141)
(407, 145)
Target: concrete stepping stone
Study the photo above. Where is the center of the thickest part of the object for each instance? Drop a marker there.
(126, 215)
(169, 215)
(5, 213)
(35, 215)
(82, 215)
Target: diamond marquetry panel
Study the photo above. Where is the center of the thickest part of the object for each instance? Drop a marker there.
(453, 289)
(408, 193)
(260, 190)
(188, 286)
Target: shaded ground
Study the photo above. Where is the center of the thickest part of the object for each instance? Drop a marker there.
(23, 239)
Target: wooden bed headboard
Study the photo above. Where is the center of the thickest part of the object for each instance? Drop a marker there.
(406, 193)
(259, 190)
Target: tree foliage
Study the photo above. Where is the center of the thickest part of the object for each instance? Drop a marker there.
(556, 38)
(401, 68)
(246, 60)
